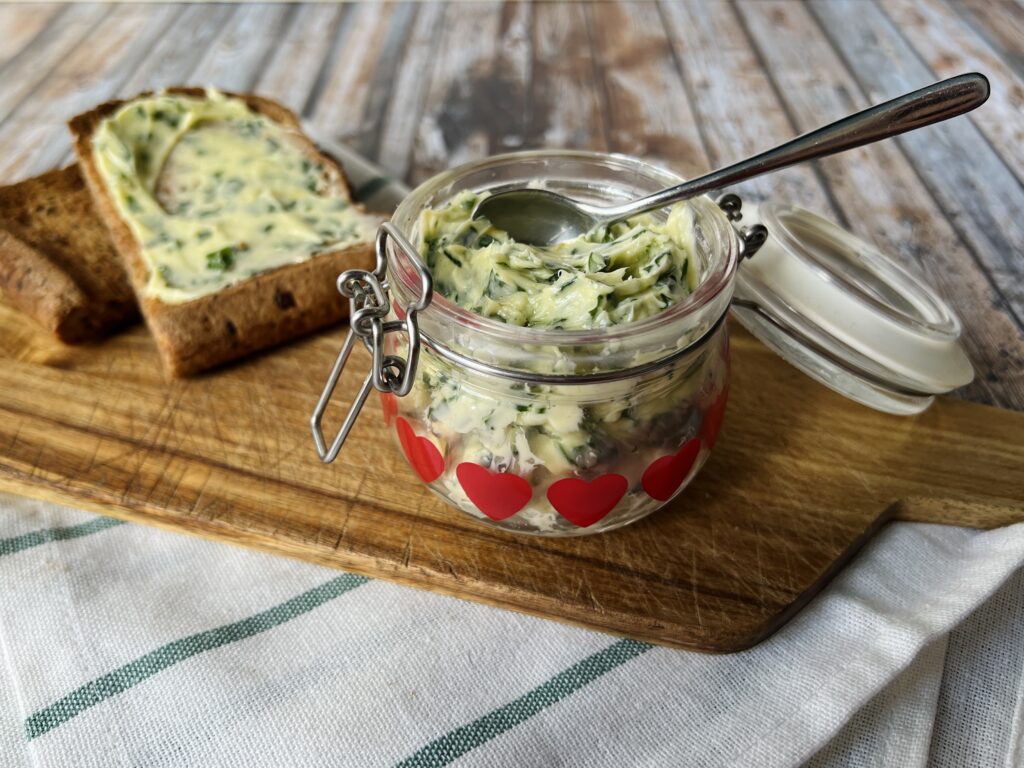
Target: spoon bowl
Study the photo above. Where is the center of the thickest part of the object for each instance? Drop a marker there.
(546, 216)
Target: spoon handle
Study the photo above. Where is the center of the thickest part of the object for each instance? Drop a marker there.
(932, 104)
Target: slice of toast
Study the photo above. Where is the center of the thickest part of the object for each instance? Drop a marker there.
(57, 262)
(262, 311)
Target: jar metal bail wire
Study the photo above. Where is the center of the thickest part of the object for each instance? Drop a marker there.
(369, 304)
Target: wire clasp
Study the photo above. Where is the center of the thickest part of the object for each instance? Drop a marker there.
(369, 302)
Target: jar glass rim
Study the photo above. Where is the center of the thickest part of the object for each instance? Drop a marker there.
(719, 278)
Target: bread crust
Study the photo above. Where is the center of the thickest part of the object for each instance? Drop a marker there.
(57, 264)
(260, 312)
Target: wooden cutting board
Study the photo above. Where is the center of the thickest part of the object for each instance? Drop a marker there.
(799, 480)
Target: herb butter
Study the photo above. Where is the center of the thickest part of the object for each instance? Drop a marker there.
(614, 275)
(215, 192)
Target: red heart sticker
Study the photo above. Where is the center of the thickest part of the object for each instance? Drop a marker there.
(666, 474)
(584, 503)
(497, 494)
(421, 453)
(713, 418)
(389, 405)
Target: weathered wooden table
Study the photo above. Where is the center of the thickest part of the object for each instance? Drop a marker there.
(420, 87)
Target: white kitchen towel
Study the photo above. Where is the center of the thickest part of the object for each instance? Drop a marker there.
(984, 686)
(125, 645)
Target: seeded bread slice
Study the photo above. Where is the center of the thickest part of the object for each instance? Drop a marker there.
(57, 262)
(260, 312)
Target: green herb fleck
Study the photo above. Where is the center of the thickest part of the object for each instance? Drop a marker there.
(166, 275)
(250, 128)
(162, 117)
(221, 260)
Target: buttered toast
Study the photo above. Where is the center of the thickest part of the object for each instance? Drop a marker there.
(232, 225)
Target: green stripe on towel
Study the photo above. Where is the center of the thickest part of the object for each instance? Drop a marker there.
(135, 672)
(36, 538)
(456, 743)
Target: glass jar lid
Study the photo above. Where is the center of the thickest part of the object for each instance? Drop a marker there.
(845, 314)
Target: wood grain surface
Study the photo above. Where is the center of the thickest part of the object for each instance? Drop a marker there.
(800, 477)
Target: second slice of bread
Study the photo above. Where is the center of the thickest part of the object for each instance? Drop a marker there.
(259, 312)
(57, 263)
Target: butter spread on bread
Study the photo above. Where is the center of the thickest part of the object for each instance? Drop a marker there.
(215, 192)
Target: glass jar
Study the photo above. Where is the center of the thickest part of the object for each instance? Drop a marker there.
(562, 433)
(565, 433)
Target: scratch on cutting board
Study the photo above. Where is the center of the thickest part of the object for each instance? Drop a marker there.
(738, 568)
(196, 508)
(91, 462)
(863, 479)
(126, 493)
(158, 478)
(447, 566)
(571, 591)
(593, 599)
(91, 419)
(177, 484)
(165, 417)
(14, 440)
(358, 494)
(36, 461)
(406, 553)
(344, 526)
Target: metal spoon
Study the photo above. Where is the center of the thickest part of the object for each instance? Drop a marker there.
(542, 217)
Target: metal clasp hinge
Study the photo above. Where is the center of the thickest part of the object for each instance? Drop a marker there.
(752, 237)
(369, 303)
